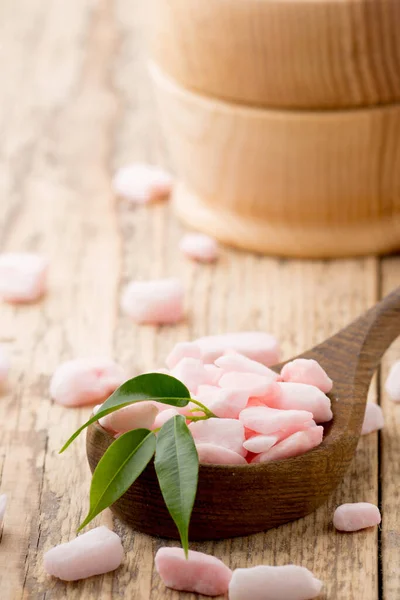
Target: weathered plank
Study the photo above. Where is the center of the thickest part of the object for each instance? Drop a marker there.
(389, 465)
(65, 131)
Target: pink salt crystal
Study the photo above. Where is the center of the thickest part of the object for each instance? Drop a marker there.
(200, 573)
(134, 416)
(300, 396)
(142, 183)
(163, 417)
(213, 374)
(255, 385)
(373, 418)
(3, 505)
(190, 371)
(182, 350)
(288, 582)
(294, 445)
(93, 553)
(218, 455)
(199, 246)
(257, 345)
(158, 301)
(225, 403)
(223, 432)
(4, 365)
(85, 381)
(392, 385)
(304, 370)
(260, 443)
(263, 419)
(359, 515)
(233, 361)
(22, 277)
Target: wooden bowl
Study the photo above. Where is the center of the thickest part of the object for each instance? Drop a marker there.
(275, 53)
(293, 183)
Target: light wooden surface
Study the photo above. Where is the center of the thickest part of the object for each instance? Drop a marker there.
(74, 104)
(307, 54)
(291, 183)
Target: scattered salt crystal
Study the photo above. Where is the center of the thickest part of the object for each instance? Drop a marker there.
(359, 515)
(289, 582)
(93, 553)
(200, 573)
(392, 384)
(22, 277)
(218, 455)
(85, 381)
(141, 183)
(373, 418)
(223, 432)
(182, 350)
(257, 345)
(158, 302)
(134, 416)
(4, 365)
(303, 370)
(200, 247)
(3, 505)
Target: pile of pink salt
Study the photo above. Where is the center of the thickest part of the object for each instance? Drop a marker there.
(260, 415)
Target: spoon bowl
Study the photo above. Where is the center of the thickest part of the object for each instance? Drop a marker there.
(243, 499)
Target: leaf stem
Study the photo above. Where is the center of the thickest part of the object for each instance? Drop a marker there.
(206, 410)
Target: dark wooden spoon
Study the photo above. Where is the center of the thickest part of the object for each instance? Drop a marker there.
(239, 500)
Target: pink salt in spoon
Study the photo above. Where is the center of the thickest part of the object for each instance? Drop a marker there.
(244, 499)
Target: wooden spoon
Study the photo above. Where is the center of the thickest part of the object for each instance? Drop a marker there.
(239, 500)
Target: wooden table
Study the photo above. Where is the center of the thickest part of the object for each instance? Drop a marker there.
(75, 103)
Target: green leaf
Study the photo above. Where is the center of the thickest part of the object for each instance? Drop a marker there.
(177, 467)
(150, 386)
(118, 468)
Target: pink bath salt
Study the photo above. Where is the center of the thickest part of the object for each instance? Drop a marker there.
(265, 420)
(356, 516)
(288, 582)
(190, 371)
(93, 553)
(307, 370)
(134, 416)
(85, 381)
(223, 432)
(4, 365)
(213, 374)
(260, 443)
(141, 183)
(257, 345)
(294, 445)
(218, 455)
(225, 403)
(182, 350)
(373, 418)
(301, 396)
(233, 361)
(159, 301)
(200, 573)
(3, 506)
(392, 385)
(164, 416)
(255, 385)
(22, 277)
(200, 247)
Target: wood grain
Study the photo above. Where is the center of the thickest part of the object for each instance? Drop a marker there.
(314, 54)
(389, 469)
(74, 104)
(302, 184)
